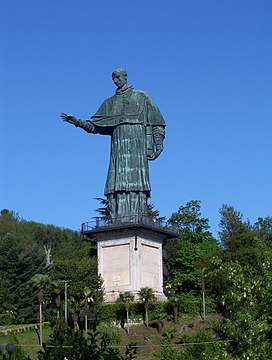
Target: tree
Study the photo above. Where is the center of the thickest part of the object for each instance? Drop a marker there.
(82, 270)
(241, 240)
(246, 302)
(234, 232)
(74, 307)
(104, 209)
(40, 281)
(263, 228)
(154, 213)
(146, 295)
(9, 222)
(241, 279)
(57, 287)
(18, 263)
(189, 221)
(185, 256)
(127, 297)
(87, 301)
(174, 302)
(22, 256)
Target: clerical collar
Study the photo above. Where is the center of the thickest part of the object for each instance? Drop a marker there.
(124, 89)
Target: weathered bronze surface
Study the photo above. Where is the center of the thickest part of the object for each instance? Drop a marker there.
(137, 131)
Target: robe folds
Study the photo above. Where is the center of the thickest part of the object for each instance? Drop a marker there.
(126, 117)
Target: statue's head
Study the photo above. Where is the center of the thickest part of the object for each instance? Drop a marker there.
(119, 77)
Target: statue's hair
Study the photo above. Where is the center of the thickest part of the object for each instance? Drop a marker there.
(120, 70)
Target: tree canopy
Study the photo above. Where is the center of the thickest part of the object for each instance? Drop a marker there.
(234, 271)
(22, 256)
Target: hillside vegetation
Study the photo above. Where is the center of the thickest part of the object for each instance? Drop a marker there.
(230, 276)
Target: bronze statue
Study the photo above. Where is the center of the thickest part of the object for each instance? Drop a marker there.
(137, 131)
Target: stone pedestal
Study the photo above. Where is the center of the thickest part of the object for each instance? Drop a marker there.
(129, 258)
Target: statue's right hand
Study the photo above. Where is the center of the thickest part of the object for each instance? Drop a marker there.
(68, 118)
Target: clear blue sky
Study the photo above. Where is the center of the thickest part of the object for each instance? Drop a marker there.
(206, 64)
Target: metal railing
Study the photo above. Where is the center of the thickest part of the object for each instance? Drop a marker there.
(132, 220)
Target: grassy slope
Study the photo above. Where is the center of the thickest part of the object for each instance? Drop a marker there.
(148, 340)
(28, 340)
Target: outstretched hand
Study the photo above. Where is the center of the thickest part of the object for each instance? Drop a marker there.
(68, 118)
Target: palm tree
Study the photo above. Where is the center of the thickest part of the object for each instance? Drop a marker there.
(127, 297)
(146, 295)
(40, 281)
(74, 307)
(174, 302)
(57, 288)
(88, 299)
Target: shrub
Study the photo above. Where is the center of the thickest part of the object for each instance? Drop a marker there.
(6, 318)
(203, 346)
(157, 310)
(65, 343)
(114, 313)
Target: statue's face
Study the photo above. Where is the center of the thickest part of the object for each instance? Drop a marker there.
(119, 79)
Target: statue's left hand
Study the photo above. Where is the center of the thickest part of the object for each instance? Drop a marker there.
(154, 155)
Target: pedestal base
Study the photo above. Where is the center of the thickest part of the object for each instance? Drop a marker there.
(129, 259)
(130, 255)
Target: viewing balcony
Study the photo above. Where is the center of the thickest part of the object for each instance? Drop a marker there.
(102, 224)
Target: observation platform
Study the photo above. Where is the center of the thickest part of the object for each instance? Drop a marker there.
(107, 224)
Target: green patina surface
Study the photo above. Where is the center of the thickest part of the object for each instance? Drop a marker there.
(137, 131)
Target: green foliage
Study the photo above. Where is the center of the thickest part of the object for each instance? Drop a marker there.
(241, 279)
(82, 270)
(6, 314)
(263, 227)
(187, 256)
(146, 295)
(114, 335)
(22, 256)
(7, 317)
(127, 297)
(40, 281)
(104, 210)
(204, 346)
(18, 263)
(18, 353)
(237, 274)
(109, 313)
(158, 310)
(154, 212)
(185, 304)
(235, 234)
(168, 352)
(189, 221)
(246, 304)
(73, 345)
(200, 346)
(246, 333)
(112, 313)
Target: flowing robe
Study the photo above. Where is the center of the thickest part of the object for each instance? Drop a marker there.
(126, 116)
